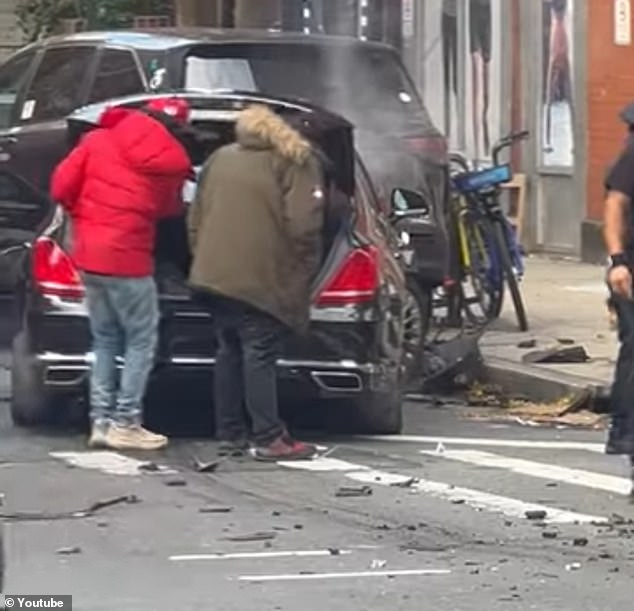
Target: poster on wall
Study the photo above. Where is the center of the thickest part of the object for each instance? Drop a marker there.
(558, 104)
(463, 64)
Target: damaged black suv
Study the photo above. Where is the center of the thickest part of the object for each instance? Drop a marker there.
(350, 365)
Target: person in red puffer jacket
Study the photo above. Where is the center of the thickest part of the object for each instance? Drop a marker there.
(120, 180)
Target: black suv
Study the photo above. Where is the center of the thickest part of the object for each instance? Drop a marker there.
(351, 363)
(364, 82)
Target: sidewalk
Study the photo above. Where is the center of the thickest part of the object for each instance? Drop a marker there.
(565, 300)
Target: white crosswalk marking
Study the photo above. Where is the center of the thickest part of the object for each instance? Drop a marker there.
(492, 442)
(477, 499)
(578, 477)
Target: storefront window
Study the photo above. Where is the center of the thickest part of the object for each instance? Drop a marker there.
(557, 112)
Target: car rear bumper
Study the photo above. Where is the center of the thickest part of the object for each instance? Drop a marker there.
(323, 379)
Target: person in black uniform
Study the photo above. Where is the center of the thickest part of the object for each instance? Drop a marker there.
(480, 48)
(619, 241)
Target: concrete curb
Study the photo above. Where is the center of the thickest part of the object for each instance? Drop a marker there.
(539, 383)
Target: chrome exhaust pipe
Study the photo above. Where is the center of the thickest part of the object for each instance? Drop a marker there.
(65, 376)
(337, 381)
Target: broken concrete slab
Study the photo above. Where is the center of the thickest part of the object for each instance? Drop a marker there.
(557, 354)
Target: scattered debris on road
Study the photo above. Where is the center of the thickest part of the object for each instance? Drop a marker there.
(406, 484)
(257, 536)
(346, 491)
(573, 566)
(44, 516)
(215, 510)
(207, 467)
(536, 514)
(68, 551)
(175, 482)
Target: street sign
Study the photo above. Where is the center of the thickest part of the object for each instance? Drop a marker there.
(622, 23)
(408, 18)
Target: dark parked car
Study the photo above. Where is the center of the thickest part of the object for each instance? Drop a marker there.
(351, 363)
(364, 82)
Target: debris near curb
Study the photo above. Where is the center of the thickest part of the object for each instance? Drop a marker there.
(557, 354)
(570, 411)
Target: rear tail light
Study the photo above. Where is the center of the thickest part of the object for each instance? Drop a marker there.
(54, 273)
(355, 282)
(434, 145)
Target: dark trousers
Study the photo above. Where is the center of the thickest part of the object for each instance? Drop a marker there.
(249, 344)
(621, 440)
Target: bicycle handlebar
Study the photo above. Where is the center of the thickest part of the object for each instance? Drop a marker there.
(507, 141)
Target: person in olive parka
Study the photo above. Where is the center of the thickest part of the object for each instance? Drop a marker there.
(255, 232)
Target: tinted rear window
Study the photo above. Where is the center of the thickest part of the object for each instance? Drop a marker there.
(368, 86)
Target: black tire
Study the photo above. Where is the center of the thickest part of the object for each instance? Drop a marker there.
(417, 320)
(30, 403)
(368, 413)
(511, 279)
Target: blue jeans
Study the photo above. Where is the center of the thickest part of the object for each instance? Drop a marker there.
(124, 319)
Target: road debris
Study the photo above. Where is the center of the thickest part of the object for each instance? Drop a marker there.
(208, 467)
(150, 467)
(44, 516)
(215, 510)
(535, 514)
(570, 354)
(68, 551)
(550, 534)
(175, 482)
(347, 491)
(406, 484)
(527, 343)
(378, 564)
(247, 538)
(573, 566)
(580, 542)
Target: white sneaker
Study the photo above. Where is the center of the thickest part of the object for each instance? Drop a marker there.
(134, 438)
(98, 435)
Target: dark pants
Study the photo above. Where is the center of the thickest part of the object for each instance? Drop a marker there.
(249, 344)
(621, 440)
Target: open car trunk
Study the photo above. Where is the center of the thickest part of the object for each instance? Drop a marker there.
(213, 118)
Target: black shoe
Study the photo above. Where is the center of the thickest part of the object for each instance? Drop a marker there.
(235, 448)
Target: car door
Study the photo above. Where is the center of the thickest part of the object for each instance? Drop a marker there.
(59, 86)
(23, 212)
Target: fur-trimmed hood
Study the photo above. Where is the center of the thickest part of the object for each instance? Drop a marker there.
(258, 127)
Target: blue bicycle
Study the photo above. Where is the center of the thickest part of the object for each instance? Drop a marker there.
(489, 251)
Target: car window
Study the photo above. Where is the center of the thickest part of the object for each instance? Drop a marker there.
(22, 208)
(56, 89)
(117, 76)
(13, 75)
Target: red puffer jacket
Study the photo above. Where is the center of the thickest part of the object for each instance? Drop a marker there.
(116, 184)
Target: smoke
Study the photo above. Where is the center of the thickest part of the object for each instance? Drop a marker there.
(368, 85)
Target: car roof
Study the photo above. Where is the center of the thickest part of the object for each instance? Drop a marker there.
(237, 99)
(165, 39)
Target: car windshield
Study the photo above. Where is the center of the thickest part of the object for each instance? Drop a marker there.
(368, 86)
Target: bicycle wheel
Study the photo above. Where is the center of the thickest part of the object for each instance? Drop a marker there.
(482, 286)
(511, 278)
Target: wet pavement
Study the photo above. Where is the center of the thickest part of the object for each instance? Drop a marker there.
(454, 515)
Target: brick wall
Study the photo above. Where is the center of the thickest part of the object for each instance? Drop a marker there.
(610, 76)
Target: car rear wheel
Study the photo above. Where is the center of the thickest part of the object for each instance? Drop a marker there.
(30, 403)
(370, 413)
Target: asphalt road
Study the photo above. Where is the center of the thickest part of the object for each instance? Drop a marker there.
(443, 528)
